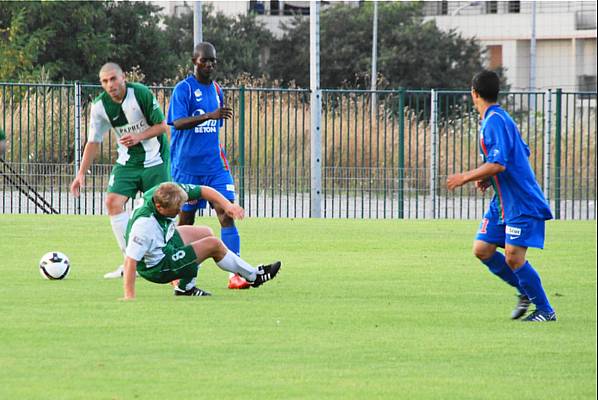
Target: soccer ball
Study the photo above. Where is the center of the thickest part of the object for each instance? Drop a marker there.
(54, 265)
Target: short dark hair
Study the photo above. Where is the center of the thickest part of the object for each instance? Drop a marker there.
(487, 85)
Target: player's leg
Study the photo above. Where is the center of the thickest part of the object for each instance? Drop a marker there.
(223, 183)
(490, 234)
(189, 209)
(209, 246)
(521, 234)
(205, 245)
(121, 186)
(124, 183)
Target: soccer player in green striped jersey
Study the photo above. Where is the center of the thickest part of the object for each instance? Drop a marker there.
(162, 252)
(132, 112)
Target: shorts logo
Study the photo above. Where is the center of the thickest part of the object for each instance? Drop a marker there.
(138, 240)
(230, 188)
(513, 232)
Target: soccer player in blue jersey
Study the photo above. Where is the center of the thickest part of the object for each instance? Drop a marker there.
(196, 113)
(517, 213)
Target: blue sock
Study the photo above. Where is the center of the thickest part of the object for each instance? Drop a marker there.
(530, 281)
(498, 266)
(232, 240)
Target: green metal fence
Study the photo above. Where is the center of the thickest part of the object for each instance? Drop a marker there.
(385, 154)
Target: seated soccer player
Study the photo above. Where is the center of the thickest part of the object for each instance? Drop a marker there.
(162, 252)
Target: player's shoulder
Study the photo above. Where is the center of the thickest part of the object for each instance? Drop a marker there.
(185, 84)
(98, 104)
(496, 116)
(139, 89)
(99, 98)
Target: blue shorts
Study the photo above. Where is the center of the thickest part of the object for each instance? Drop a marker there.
(221, 182)
(521, 231)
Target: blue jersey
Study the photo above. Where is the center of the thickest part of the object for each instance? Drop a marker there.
(517, 192)
(196, 151)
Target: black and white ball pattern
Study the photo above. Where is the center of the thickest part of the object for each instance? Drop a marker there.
(54, 265)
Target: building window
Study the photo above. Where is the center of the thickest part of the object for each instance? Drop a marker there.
(443, 7)
(586, 83)
(491, 7)
(275, 7)
(494, 57)
(514, 7)
(256, 7)
(296, 7)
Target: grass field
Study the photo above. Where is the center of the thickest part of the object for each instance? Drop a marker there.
(360, 310)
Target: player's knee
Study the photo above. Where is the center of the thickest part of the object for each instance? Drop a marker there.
(186, 218)
(205, 231)
(482, 251)
(214, 245)
(114, 205)
(225, 220)
(514, 260)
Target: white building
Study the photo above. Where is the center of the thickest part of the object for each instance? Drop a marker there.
(269, 12)
(565, 38)
(565, 34)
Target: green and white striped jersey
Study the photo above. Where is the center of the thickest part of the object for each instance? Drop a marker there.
(138, 111)
(148, 232)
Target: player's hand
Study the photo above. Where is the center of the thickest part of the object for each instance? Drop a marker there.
(483, 184)
(77, 184)
(222, 113)
(235, 211)
(128, 140)
(454, 181)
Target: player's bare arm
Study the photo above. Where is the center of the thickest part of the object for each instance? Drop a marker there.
(191, 122)
(130, 268)
(481, 173)
(231, 209)
(130, 140)
(89, 154)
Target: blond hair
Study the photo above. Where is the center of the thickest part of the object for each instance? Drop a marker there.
(170, 195)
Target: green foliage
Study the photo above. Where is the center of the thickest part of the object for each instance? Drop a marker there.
(73, 39)
(138, 39)
(19, 51)
(240, 42)
(411, 53)
(78, 37)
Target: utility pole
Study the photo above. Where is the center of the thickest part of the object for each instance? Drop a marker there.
(374, 58)
(315, 109)
(197, 24)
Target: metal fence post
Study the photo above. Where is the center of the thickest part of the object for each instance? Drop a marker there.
(557, 155)
(242, 146)
(433, 151)
(547, 145)
(77, 140)
(400, 195)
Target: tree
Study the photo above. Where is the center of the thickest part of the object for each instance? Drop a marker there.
(412, 53)
(23, 50)
(241, 42)
(79, 37)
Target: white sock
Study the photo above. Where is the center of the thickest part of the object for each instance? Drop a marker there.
(191, 284)
(233, 263)
(119, 227)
